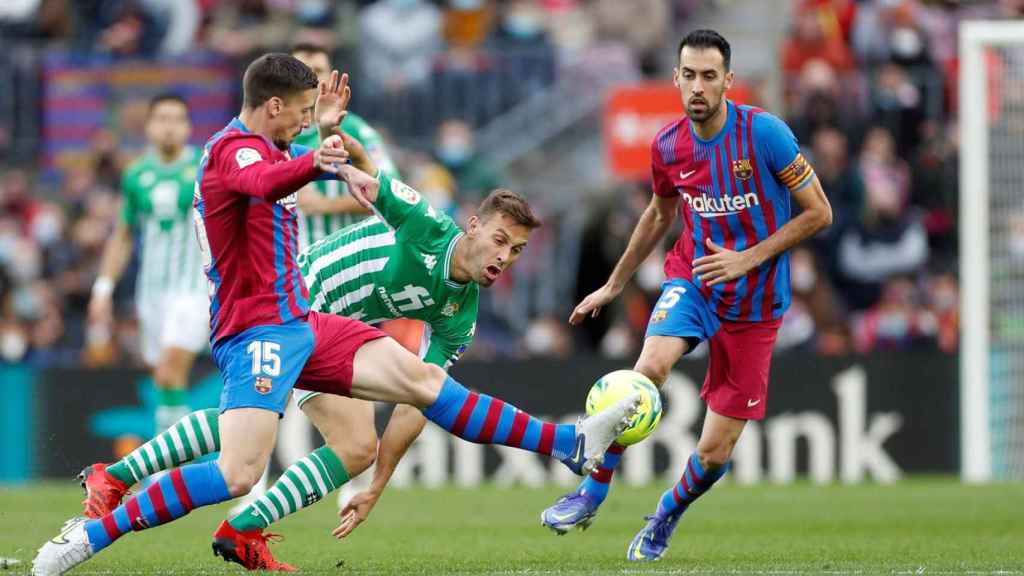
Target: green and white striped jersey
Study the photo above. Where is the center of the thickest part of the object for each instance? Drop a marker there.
(315, 228)
(158, 207)
(396, 264)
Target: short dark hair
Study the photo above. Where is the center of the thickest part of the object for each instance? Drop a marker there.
(705, 39)
(165, 97)
(309, 48)
(511, 204)
(275, 74)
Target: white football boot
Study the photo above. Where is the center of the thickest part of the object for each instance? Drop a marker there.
(68, 549)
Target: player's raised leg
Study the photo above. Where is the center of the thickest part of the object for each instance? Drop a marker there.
(351, 447)
(383, 370)
(254, 397)
(354, 359)
(681, 320)
(193, 436)
(736, 390)
(248, 432)
(704, 467)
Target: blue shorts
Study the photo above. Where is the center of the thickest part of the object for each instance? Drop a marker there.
(682, 312)
(262, 364)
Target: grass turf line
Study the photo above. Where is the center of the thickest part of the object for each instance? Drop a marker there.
(929, 526)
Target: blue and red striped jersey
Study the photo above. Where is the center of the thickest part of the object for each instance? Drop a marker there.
(735, 190)
(247, 226)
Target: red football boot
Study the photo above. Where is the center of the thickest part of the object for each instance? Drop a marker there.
(103, 492)
(248, 548)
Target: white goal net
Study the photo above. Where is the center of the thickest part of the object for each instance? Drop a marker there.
(992, 250)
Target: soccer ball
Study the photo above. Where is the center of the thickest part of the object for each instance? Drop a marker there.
(613, 387)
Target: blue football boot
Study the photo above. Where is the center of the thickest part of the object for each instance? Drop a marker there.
(572, 510)
(651, 542)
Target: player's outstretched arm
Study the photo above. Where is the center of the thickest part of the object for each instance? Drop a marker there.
(650, 230)
(244, 168)
(404, 427)
(116, 253)
(361, 185)
(722, 265)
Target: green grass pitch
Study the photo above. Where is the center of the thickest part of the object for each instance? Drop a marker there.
(919, 526)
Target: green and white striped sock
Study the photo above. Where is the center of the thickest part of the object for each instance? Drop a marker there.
(303, 484)
(194, 435)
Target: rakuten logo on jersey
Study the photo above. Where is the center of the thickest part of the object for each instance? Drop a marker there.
(710, 207)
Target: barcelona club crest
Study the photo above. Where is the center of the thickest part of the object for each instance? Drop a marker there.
(658, 316)
(264, 385)
(741, 168)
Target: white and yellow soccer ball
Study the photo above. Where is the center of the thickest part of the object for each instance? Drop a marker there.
(615, 386)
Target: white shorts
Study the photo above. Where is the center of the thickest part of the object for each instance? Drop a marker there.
(174, 321)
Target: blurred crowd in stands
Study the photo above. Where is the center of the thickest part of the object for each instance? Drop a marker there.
(869, 88)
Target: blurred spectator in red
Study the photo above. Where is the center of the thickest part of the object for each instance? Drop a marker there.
(817, 99)
(944, 303)
(889, 31)
(815, 36)
(16, 198)
(935, 185)
(897, 322)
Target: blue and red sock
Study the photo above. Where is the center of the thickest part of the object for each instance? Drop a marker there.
(173, 496)
(483, 419)
(694, 482)
(596, 485)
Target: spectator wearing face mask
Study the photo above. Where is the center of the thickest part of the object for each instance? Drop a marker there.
(897, 321)
(886, 241)
(455, 149)
(521, 45)
(400, 40)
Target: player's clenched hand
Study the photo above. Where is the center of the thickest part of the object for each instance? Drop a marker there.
(331, 155)
(332, 101)
(361, 186)
(592, 303)
(355, 512)
(722, 265)
(358, 155)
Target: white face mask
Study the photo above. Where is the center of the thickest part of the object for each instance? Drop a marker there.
(13, 345)
(650, 275)
(1016, 245)
(540, 339)
(46, 228)
(804, 278)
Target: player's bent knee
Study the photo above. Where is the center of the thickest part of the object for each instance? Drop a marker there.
(714, 455)
(657, 371)
(357, 452)
(240, 479)
(426, 384)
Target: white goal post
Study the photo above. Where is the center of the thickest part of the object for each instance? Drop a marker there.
(978, 452)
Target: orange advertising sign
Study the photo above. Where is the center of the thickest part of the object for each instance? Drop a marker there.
(633, 116)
